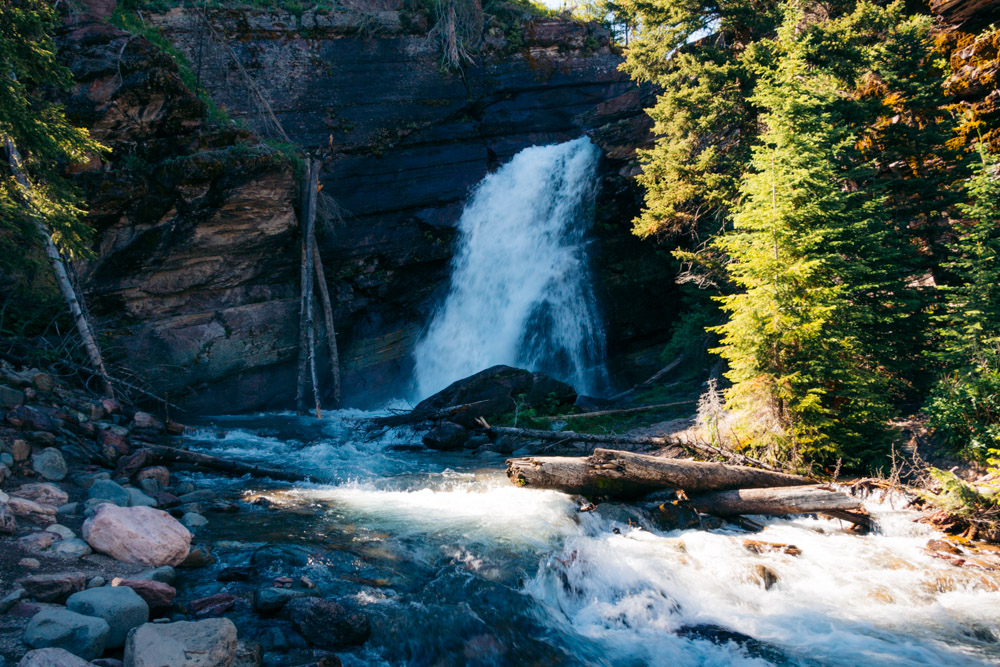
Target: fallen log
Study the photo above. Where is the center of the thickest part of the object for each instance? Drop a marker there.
(154, 454)
(617, 474)
(417, 416)
(774, 501)
(659, 375)
(681, 439)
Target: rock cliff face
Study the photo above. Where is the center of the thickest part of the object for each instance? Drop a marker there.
(198, 242)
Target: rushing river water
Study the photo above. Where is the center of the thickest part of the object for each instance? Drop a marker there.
(454, 565)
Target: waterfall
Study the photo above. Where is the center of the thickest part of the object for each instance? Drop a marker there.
(520, 289)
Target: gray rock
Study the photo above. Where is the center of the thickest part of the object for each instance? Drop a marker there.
(208, 643)
(107, 491)
(200, 496)
(137, 498)
(44, 493)
(51, 657)
(183, 488)
(29, 563)
(11, 599)
(69, 509)
(327, 623)
(50, 464)
(164, 574)
(84, 636)
(7, 459)
(194, 520)
(120, 606)
(150, 486)
(71, 548)
(60, 530)
(269, 599)
(96, 582)
(10, 398)
(37, 542)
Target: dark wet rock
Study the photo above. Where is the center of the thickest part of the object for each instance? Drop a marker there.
(497, 391)
(669, 516)
(120, 606)
(54, 587)
(199, 557)
(167, 499)
(50, 464)
(269, 599)
(113, 439)
(10, 397)
(328, 624)
(766, 576)
(158, 473)
(280, 554)
(446, 437)
(213, 605)
(720, 635)
(84, 636)
(208, 643)
(156, 594)
(237, 573)
(53, 657)
(248, 654)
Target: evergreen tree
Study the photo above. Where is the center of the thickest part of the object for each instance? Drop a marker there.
(964, 406)
(38, 129)
(809, 257)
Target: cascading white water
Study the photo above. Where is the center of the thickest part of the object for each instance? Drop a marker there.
(520, 286)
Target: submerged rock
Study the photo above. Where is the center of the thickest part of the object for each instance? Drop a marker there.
(137, 535)
(209, 643)
(327, 623)
(81, 635)
(213, 605)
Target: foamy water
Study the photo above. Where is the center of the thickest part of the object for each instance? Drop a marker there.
(472, 556)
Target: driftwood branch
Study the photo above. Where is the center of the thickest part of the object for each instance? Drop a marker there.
(415, 416)
(656, 377)
(154, 454)
(618, 474)
(307, 223)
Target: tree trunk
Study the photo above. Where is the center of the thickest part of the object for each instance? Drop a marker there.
(331, 336)
(774, 501)
(307, 224)
(659, 375)
(61, 275)
(616, 474)
(153, 454)
(621, 411)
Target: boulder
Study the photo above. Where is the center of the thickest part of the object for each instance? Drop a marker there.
(155, 593)
(51, 657)
(8, 521)
(120, 606)
(50, 464)
(208, 643)
(53, 587)
(84, 636)
(109, 492)
(137, 535)
(446, 437)
(32, 511)
(497, 391)
(44, 493)
(328, 624)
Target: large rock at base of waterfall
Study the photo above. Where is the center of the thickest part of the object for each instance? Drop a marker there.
(497, 391)
(137, 535)
(209, 643)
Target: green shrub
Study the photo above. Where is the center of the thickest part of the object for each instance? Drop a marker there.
(964, 409)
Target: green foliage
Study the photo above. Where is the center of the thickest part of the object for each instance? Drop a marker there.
(48, 143)
(957, 497)
(964, 406)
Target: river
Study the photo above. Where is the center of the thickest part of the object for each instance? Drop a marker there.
(454, 565)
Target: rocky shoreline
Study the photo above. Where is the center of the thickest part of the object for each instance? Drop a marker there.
(94, 561)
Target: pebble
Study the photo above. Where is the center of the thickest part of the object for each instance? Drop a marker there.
(30, 563)
(97, 582)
